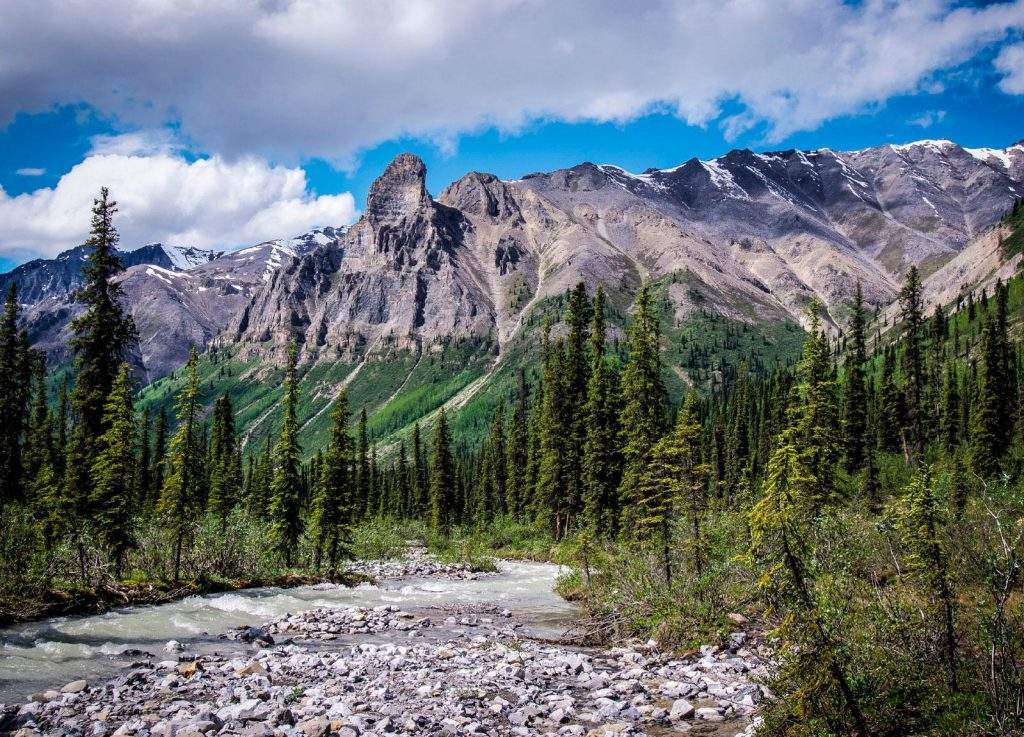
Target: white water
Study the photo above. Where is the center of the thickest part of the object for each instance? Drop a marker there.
(50, 653)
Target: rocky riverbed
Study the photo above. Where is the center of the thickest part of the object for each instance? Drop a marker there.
(418, 563)
(451, 669)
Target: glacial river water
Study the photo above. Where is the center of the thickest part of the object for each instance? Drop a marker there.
(50, 653)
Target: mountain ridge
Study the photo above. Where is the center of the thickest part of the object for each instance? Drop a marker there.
(746, 235)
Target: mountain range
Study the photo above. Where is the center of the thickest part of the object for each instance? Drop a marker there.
(746, 239)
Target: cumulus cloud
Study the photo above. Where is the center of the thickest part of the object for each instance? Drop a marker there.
(30, 171)
(1010, 64)
(209, 202)
(292, 78)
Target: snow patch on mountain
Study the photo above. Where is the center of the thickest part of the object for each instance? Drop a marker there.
(987, 155)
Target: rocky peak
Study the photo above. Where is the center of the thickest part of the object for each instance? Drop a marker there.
(400, 191)
(478, 193)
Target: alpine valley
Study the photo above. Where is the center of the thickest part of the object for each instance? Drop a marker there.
(428, 301)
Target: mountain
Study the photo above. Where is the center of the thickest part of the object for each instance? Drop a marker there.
(58, 277)
(428, 301)
(747, 235)
(179, 296)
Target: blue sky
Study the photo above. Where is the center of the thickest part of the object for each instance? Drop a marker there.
(263, 121)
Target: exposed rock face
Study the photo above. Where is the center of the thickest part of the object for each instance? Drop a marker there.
(401, 272)
(750, 236)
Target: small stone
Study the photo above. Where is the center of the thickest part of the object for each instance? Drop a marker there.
(315, 727)
(681, 709)
(251, 669)
(75, 687)
(612, 729)
(710, 714)
(173, 646)
(737, 618)
(189, 668)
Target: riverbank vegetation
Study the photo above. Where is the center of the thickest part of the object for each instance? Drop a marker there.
(864, 507)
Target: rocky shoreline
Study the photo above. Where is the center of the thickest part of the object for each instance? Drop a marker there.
(380, 671)
(417, 563)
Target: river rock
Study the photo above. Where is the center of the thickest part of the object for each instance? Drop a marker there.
(75, 687)
(681, 709)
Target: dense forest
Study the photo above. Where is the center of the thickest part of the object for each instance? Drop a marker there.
(864, 507)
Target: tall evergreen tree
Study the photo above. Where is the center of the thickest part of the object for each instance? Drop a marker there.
(334, 509)
(363, 480)
(442, 479)
(286, 486)
(817, 412)
(855, 401)
(225, 462)
(113, 471)
(144, 464)
(643, 394)
(497, 461)
(576, 377)
(517, 475)
(104, 334)
(602, 464)
(159, 451)
(781, 526)
(912, 323)
(550, 501)
(14, 370)
(180, 497)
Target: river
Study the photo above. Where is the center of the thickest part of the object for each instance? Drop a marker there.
(46, 654)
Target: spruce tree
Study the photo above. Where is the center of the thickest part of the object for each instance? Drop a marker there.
(180, 495)
(550, 501)
(39, 444)
(401, 498)
(643, 395)
(517, 474)
(782, 547)
(497, 462)
(103, 335)
(602, 463)
(674, 480)
(363, 485)
(576, 377)
(985, 441)
(286, 485)
(855, 402)
(334, 509)
(113, 472)
(817, 412)
(442, 479)
(225, 462)
(912, 323)
(14, 372)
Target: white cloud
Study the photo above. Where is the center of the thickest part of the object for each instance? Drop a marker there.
(928, 118)
(292, 78)
(1010, 63)
(209, 202)
(30, 171)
